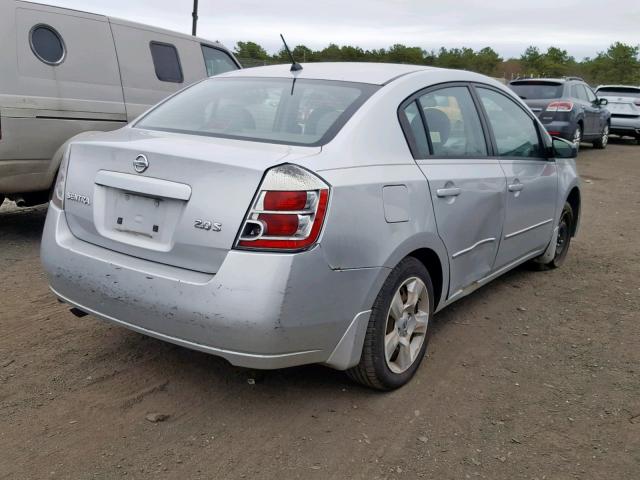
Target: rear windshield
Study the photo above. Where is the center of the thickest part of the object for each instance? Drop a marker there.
(537, 90)
(276, 110)
(619, 92)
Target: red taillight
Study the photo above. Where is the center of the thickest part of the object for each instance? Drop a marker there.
(279, 225)
(285, 200)
(287, 213)
(560, 107)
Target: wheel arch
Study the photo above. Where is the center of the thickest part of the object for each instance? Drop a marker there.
(574, 200)
(430, 259)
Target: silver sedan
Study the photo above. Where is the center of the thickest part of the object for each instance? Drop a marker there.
(324, 215)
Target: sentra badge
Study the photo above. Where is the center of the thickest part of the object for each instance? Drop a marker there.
(74, 197)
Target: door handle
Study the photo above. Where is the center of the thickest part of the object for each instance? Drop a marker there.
(516, 187)
(448, 192)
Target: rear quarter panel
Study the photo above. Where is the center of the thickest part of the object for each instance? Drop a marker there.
(568, 179)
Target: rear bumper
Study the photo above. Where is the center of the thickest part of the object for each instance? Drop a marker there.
(259, 310)
(625, 126)
(562, 129)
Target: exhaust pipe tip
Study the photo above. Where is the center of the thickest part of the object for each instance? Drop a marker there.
(20, 201)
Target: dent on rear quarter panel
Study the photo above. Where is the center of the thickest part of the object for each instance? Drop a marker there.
(357, 234)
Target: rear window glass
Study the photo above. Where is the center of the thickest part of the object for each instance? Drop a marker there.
(166, 62)
(276, 110)
(217, 61)
(619, 92)
(537, 90)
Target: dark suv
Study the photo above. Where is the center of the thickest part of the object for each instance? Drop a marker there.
(567, 107)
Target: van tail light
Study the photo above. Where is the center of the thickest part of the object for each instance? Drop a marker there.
(57, 197)
(560, 107)
(287, 212)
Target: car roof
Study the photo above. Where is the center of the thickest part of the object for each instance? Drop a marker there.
(373, 73)
(550, 80)
(619, 86)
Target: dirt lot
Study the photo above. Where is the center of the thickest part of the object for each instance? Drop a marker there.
(535, 376)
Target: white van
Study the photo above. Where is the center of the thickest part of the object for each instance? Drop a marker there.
(63, 72)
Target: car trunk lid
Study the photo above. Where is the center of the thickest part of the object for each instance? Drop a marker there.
(170, 198)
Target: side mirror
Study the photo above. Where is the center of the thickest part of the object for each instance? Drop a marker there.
(602, 102)
(563, 148)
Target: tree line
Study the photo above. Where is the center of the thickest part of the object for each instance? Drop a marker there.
(620, 63)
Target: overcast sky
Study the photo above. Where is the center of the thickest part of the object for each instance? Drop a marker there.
(583, 27)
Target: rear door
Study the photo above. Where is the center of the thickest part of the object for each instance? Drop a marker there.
(598, 112)
(467, 187)
(532, 181)
(590, 112)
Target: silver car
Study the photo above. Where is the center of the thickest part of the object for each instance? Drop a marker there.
(624, 105)
(279, 218)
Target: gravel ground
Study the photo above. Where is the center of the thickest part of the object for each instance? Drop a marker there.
(535, 376)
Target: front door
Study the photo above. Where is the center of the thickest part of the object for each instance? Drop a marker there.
(532, 180)
(467, 187)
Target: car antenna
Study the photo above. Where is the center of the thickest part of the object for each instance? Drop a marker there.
(295, 66)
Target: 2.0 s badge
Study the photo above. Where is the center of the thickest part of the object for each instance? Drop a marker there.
(208, 225)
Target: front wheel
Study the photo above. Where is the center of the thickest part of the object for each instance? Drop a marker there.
(603, 141)
(398, 330)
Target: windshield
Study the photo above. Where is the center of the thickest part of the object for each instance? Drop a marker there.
(277, 110)
(619, 92)
(537, 90)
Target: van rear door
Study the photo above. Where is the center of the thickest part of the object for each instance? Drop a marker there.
(44, 104)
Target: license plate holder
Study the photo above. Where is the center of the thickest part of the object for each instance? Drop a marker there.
(138, 214)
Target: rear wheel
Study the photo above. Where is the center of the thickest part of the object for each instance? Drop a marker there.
(577, 136)
(604, 138)
(563, 239)
(398, 330)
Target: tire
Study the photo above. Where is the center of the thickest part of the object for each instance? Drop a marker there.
(563, 240)
(577, 136)
(602, 142)
(407, 323)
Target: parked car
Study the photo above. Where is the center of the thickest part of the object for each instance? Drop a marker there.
(624, 105)
(63, 72)
(279, 218)
(568, 108)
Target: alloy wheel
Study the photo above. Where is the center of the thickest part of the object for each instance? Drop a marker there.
(407, 323)
(577, 137)
(605, 136)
